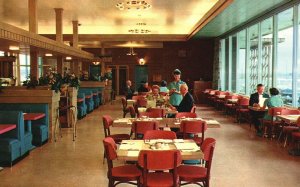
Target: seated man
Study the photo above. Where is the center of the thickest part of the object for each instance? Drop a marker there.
(187, 102)
(128, 90)
(144, 87)
(254, 101)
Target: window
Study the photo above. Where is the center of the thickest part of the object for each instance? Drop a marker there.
(241, 64)
(284, 64)
(233, 62)
(222, 64)
(24, 61)
(227, 64)
(266, 50)
(298, 61)
(253, 58)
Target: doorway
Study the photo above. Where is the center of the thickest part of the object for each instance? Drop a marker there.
(119, 77)
(140, 75)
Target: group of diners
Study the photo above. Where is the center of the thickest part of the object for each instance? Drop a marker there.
(176, 95)
(266, 112)
(159, 157)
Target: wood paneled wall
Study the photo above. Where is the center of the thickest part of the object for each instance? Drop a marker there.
(193, 58)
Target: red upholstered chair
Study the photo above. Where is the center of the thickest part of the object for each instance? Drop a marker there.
(195, 174)
(287, 129)
(193, 110)
(158, 112)
(192, 129)
(242, 111)
(159, 134)
(119, 174)
(142, 102)
(149, 114)
(269, 125)
(159, 161)
(230, 106)
(107, 122)
(127, 109)
(186, 115)
(139, 128)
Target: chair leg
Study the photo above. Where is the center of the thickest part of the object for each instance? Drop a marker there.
(111, 183)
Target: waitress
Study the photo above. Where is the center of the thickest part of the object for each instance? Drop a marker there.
(174, 88)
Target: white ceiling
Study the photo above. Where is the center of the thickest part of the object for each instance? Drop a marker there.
(102, 16)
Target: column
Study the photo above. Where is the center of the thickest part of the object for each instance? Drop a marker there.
(32, 13)
(102, 62)
(59, 63)
(75, 33)
(34, 71)
(59, 24)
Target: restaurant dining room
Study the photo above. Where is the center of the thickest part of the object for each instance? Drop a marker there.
(149, 93)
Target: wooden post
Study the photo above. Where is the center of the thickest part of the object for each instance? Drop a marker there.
(59, 24)
(32, 13)
(34, 71)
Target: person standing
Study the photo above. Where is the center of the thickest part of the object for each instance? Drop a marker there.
(255, 99)
(129, 91)
(174, 88)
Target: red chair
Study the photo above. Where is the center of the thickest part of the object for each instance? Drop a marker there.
(192, 129)
(158, 112)
(242, 111)
(159, 134)
(107, 122)
(195, 174)
(230, 106)
(193, 110)
(119, 174)
(269, 125)
(139, 128)
(127, 109)
(186, 115)
(142, 102)
(159, 161)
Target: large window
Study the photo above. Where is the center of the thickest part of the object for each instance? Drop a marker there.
(241, 65)
(267, 52)
(253, 58)
(284, 66)
(298, 61)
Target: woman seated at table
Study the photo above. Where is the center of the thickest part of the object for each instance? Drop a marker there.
(274, 101)
(154, 95)
(163, 87)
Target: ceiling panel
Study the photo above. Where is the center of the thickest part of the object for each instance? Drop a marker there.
(238, 13)
(103, 17)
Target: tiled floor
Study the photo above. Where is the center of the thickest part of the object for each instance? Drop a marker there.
(241, 159)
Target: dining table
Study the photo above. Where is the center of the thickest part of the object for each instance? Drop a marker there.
(5, 128)
(129, 149)
(165, 123)
(28, 117)
(289, 119)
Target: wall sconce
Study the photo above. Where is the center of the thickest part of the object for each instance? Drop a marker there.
(142, 61)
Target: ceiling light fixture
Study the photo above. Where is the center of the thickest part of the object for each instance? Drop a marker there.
(133, 5)
(14, 48)
(68, 58)
(131, 52)
(139, 31)
(48, 54)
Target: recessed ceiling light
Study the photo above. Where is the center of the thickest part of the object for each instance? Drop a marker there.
(48, 54)
(68, 58)
(14, 48)
(1, 53)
